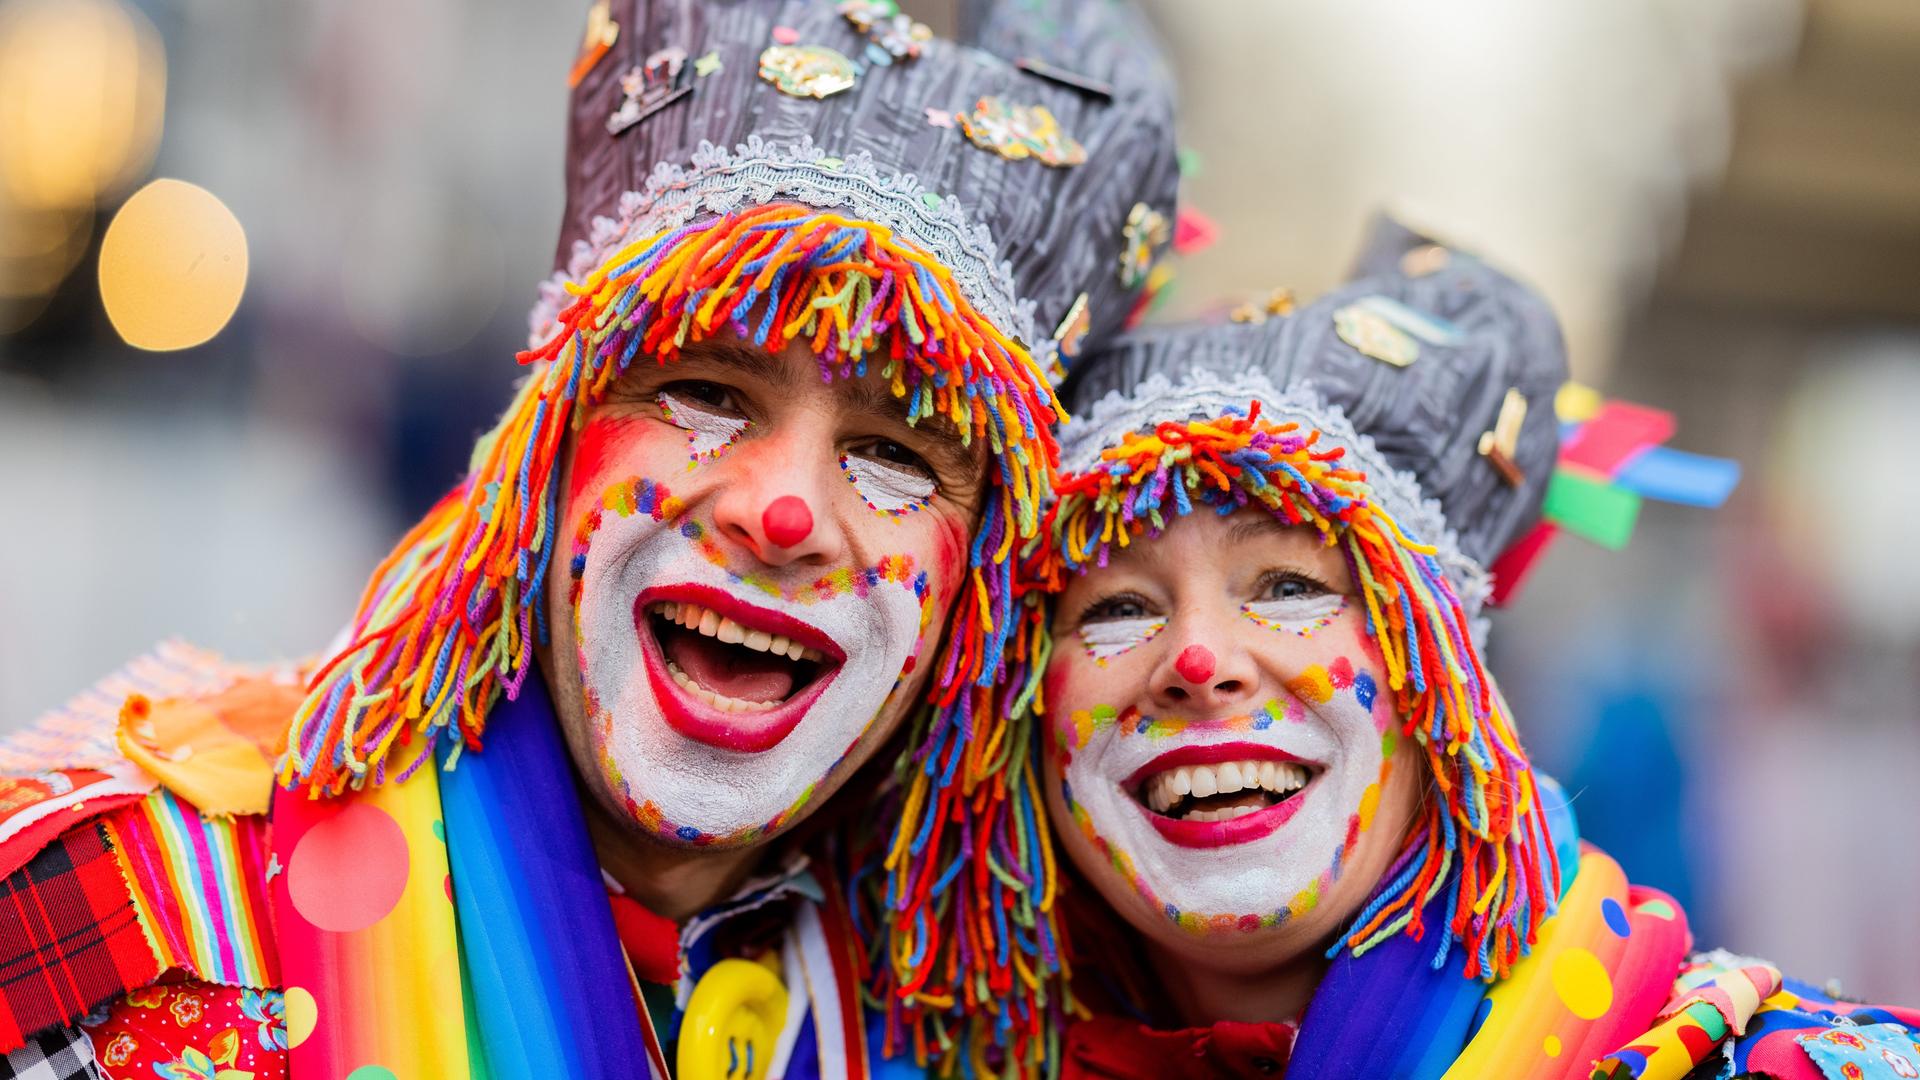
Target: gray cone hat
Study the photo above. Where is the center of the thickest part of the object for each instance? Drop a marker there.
(1023, 238)
(1474, 334)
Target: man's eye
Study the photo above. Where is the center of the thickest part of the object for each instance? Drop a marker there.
(712, 396)
(1291, 585)
(894, 454)
(889, 477)
(707, 410)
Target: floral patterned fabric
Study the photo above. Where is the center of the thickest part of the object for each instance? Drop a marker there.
(193, 1031)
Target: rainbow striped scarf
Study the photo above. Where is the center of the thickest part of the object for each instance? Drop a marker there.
(454, 924)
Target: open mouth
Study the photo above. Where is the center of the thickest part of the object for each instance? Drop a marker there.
(728, 673)
(1228, 793)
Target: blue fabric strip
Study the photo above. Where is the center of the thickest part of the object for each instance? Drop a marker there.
(549, 981)
(1390, 1013)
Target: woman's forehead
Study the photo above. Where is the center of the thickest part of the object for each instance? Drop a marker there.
(1214, 542)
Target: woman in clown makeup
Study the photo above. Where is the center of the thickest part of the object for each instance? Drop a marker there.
(1270, 747)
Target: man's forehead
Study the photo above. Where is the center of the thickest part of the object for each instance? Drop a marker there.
(797, 366)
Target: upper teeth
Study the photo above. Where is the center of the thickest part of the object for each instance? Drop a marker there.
(713, 625)
(1169, 787)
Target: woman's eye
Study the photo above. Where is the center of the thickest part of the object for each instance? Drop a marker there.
(1115, 607)
(890, 478)
(1291, 586)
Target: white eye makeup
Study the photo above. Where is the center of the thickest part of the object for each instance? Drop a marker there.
(709, 431)
(887, 489)
(1108, 638)
(1300, 615)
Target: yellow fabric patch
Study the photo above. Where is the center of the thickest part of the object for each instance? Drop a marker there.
(215, 751)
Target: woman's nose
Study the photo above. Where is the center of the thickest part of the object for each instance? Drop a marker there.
(1199, 675)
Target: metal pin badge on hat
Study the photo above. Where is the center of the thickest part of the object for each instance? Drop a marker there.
(1385, 329)
(813, 71)
(1278, 302)
(1425, 259)
(1071, 335)
(602, 32)
(649, 88)
(891, 35)
(1145, 231)
(1017, 132)
(1501, 445)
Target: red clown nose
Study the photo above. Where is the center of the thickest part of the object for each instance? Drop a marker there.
(1195, 663)
(787, 521)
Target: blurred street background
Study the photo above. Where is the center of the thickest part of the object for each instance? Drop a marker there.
(1720, 197)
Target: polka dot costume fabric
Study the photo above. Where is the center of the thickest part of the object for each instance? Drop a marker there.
(363, 906)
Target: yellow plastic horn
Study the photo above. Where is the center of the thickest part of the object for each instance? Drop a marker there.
(733, 1021)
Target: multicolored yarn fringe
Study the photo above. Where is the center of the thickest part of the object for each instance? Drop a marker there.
(449, 620)
(1484, 838)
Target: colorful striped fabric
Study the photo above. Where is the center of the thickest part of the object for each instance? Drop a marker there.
(198, 885)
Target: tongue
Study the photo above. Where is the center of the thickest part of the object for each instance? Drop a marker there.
(1258, 799)
(731, 670)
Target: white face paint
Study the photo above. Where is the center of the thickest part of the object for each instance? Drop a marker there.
(1238, 872)
(886, 488)
(1300, 616)
(691, 772)
(1109, 638)
(708, 432)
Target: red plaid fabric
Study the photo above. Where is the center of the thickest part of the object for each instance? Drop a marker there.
(69, 938)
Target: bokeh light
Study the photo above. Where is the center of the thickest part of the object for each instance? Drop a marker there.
(172, 266)
(82, 88)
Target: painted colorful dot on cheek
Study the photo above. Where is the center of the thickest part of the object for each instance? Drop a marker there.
(787, 521)
(1195, 663)
(1312, 685)
(1365, 690)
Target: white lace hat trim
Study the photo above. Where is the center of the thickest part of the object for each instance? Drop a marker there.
(761, 171)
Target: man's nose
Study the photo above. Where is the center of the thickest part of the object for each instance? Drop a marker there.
(1202, 667)
(776, 495)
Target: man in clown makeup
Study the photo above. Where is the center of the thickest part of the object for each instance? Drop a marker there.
(1305, 836)
(544, 808)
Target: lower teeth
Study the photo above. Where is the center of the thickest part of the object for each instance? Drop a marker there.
(718, 701)
(1226, 814)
